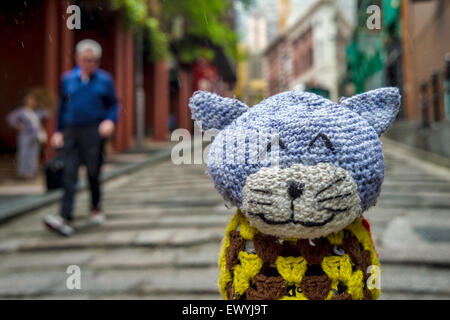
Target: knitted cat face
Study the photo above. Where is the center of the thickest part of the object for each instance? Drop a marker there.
(296, 164)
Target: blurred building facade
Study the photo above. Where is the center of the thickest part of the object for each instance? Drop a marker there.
(251, 86)
(426, 64)
(328, 47)
(373, 56)
(425, 47)
(308, 55)
(409, 51)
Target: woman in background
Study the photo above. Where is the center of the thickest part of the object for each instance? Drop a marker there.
(27, 120)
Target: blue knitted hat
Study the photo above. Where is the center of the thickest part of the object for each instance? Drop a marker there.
(329, 166)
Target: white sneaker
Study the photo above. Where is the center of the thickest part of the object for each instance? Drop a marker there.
(97, 218)
(58, 225)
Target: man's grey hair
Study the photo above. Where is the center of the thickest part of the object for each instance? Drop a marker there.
(88, 44)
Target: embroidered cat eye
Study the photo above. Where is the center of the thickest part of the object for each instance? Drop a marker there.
(325, 139)
(280, 143)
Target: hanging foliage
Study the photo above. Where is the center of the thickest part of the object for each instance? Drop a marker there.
(142, 14)
(210, 20)
(203, 19)
(135, 11)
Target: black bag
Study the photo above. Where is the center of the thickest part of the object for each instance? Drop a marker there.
(54, 172)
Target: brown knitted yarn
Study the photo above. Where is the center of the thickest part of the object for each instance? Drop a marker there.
(237, 244)
(313, 254)
(267, 288)
(316, 287)
(267, 247)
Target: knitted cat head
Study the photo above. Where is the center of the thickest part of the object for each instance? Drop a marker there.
(296, 164)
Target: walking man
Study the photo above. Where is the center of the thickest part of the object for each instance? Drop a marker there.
(87, 116)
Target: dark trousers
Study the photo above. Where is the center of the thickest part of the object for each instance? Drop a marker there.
(82, 145)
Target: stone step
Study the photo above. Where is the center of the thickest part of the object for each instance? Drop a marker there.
(184, 202)
(390, 184)
(200, 281)
(417, 256)
(402, 295)
(143, 190)
(395, 280)
(131, 258)
(219, 209)
(405, 204)
(134, 222)
(423, 196)
(130, 296)
(415, 279)
(169, 237)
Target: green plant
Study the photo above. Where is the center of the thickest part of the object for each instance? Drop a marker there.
(209, 20)
(139, 16)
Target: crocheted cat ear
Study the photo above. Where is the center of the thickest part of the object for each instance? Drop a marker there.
(215, 112)
(379, 107)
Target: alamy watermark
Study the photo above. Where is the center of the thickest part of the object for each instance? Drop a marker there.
(374, 20)
(73, 281)
(249, 146)
(374, 281)
(74, 20)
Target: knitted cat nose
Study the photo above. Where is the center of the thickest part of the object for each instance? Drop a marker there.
(295, 189)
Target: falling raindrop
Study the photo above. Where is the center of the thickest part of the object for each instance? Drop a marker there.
(25, 3)
(22, 45)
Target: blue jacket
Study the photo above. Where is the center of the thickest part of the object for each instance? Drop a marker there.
(86, 103)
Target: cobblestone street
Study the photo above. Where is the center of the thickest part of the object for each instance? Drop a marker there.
(165, 224)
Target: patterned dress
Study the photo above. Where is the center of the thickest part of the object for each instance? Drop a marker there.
(254, 266)
(29, 138)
